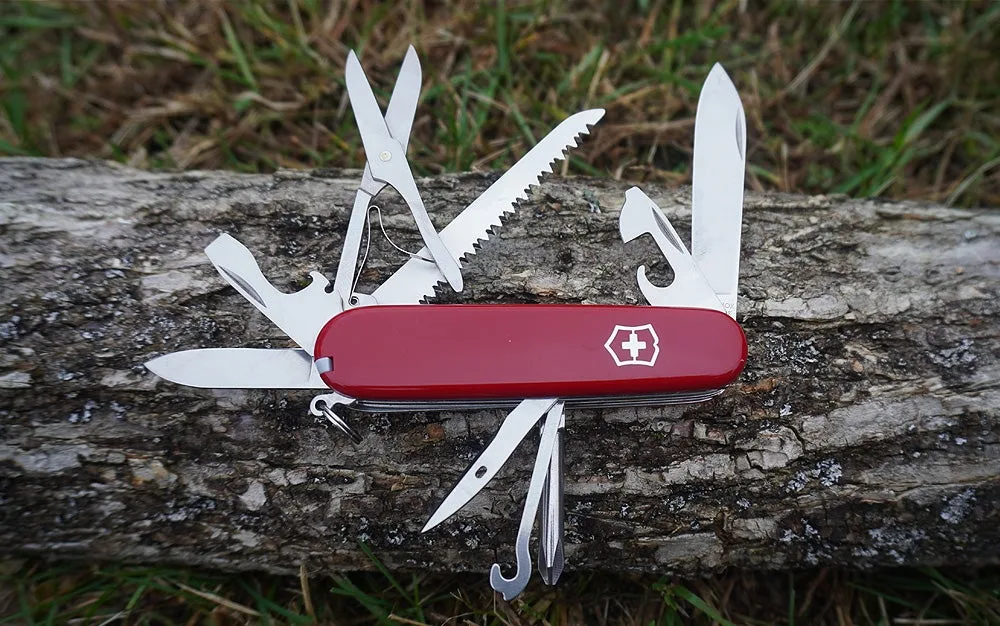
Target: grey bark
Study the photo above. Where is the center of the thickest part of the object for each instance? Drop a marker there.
(864, 431)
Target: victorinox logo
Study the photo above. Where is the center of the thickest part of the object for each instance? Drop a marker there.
(633, 345)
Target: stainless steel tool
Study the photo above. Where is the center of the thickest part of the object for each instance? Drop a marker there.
(511, 587)
(512, 430)
(387, 162)
(399, 121)
(551, 560)
(641, 216)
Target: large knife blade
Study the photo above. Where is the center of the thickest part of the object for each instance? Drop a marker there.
(514, 428)
(416, 279)
(717, 187)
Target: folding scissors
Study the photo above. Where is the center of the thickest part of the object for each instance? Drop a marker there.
(385, 140)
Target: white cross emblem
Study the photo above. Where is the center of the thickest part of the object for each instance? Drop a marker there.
(633, 345)
(627, 343)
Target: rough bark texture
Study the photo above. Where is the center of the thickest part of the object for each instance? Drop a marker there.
(865, 430)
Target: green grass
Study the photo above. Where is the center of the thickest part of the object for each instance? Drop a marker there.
(38, 593)
(893, 99)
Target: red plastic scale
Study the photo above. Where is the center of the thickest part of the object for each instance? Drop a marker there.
(471, 352)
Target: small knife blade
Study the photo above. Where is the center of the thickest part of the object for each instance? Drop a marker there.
(239, 368)
(514, 428)
(717, 187)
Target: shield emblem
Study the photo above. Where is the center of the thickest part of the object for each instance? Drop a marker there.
(633, 345)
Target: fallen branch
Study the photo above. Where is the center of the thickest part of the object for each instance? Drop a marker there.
(864, 431)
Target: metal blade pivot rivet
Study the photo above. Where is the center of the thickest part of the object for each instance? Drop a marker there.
(385, 155)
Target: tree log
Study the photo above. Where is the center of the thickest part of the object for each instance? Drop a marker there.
(865, 430)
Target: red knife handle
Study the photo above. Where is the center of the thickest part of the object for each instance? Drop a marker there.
(467, 352)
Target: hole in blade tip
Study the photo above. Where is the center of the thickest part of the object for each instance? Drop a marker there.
(481, 471)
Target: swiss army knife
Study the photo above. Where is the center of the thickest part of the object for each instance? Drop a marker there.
(536, 360)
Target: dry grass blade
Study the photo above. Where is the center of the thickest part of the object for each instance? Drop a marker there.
(306, 593)
(835, 35)
(213, 597)
(404, 620)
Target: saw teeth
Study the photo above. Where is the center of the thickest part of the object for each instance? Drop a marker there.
(524, 194)
(521, 195)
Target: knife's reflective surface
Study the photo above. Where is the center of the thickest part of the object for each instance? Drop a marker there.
(717, 194)
(513, 429)
(239, 368)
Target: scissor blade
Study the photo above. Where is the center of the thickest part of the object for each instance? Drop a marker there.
(367, 112)
(514, 428)
(717, 196)
(239, 368)
(403, 102)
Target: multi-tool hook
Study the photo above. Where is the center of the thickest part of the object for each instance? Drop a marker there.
(510, 587)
